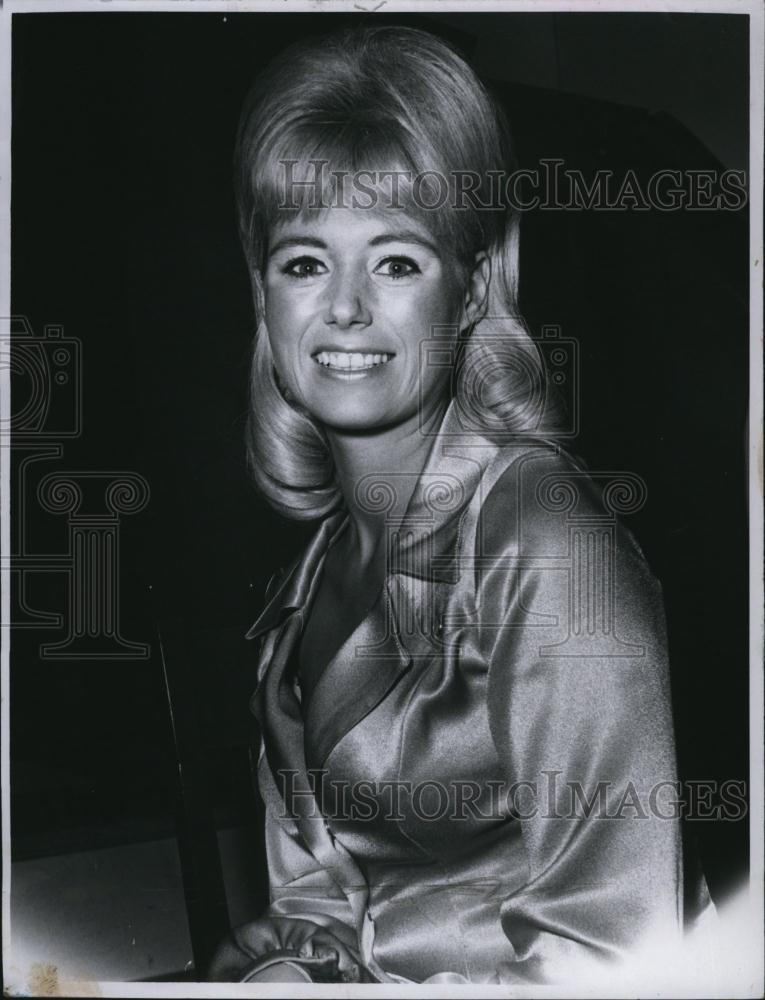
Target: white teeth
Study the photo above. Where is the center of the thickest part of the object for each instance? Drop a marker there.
(353, 361)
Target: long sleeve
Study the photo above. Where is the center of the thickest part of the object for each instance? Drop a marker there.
(580, 713)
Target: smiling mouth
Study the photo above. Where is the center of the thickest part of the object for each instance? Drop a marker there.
(347, 361)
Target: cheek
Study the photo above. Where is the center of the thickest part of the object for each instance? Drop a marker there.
(284, 320)
(434, 307)
(440, 314)
(277, 311)
(282, 329)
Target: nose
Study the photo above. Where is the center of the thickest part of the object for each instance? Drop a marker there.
(347, 301)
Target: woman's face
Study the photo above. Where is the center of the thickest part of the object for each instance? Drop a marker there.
(350, 296)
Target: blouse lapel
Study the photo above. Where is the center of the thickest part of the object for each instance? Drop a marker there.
(357, 678)
(295, 583)
(281, 620)
(279, 713)
(402, 628)
(404, 625)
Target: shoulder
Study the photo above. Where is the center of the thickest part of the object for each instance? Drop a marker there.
(532, 497)
(545, 523)
(523, 498)
(566, 602)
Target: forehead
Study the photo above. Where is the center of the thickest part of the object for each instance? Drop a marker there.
(350, 226)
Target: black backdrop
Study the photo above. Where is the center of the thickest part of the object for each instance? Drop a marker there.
(123, 231)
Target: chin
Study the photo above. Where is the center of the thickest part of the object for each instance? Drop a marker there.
(358, 417)
(349, 424)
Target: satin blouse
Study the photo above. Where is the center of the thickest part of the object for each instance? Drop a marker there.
(480, 788)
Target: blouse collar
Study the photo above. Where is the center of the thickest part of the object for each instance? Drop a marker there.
(425, 543)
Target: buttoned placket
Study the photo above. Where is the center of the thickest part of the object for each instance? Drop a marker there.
(366, 932)
(366, 942)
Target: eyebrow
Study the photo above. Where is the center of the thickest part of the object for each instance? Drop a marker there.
(400, 236)
(297, 241)
(404, 236)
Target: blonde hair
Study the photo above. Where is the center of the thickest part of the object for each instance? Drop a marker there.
(400, 100)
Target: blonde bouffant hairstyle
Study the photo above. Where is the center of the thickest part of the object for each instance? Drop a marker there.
(383, 98)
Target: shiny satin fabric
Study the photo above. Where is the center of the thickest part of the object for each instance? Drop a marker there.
(511, 674)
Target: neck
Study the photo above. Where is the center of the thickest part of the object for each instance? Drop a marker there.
(385, 455)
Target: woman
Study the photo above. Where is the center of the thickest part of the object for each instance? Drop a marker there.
(468, 763)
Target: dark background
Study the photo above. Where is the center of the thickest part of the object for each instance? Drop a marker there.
(123, 231)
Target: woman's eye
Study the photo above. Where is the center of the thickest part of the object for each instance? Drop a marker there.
(303, 267)
(397, 267)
